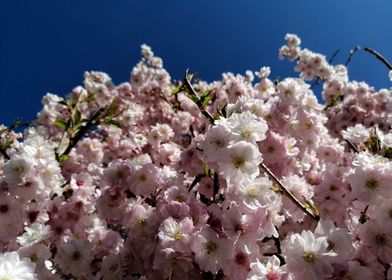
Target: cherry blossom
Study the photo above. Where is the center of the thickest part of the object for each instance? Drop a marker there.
(245, 177)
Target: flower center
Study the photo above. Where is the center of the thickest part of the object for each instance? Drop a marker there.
(241, 259)
(219, 143)
(210, 247)
(372, 183)
(18, 169)
(380, 239)
(272, 275)
(142, 222)
(180, 198)
(288, 93)
(245, 133)
(252, 192)
(76, 256)
(119, 175)
(3, 208)
(238, 162)
(271, 149)
(34, 258)
(309, 257)
(143, 177)
(178, 235)
(114, 267)
(79, 182)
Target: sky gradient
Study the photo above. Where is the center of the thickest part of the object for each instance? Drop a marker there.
(46, 45)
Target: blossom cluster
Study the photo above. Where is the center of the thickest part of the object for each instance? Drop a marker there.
(241, 178)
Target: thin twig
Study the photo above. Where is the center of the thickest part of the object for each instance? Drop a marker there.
(351, 54)
(188, 87)
(333, 56)
(16, 124)
(74, 140)
(379, 57)
(289, 194)
(278, 246)
(195, 181)
(352, 146)
(364, 217)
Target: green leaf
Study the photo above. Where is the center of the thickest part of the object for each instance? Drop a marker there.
(176, 90)
(207, 171)
(7, 144)
(76, 116)
(63, 158)
(114, 123)
(206, 93)
(194, 98)
(90, 97)
(73, 101)
(334, 100)
(111, 109)
(310, 206)
(61, 124)
(204, 101)
(374, 144)
(205, 98)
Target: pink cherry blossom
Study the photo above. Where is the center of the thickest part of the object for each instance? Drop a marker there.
(307, 256)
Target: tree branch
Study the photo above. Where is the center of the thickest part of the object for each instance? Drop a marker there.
(352, 146)
(289, 194)
(74, 140)
(379, 57)
(189, 88)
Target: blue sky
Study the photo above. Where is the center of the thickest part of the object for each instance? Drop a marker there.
(46, 45)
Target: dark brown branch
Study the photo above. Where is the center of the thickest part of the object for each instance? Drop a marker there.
(379, 57)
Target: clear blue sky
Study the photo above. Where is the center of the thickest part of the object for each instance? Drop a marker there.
(46, 45)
